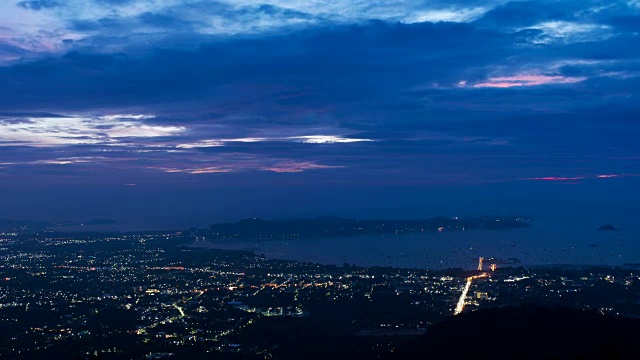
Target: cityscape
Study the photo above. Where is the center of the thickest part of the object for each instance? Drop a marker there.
(147, 295)
(308, 179)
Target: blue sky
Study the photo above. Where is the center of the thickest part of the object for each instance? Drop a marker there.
(205, 111)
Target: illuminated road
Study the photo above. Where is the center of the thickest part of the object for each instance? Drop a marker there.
(175, 305)
(171, 319)
(463, 296)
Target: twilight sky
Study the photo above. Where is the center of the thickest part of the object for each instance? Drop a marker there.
(171, 113)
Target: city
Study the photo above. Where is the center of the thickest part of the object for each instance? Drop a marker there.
(147, 295)
(308, 179)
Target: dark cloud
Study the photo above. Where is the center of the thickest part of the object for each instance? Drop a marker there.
(115, 2)
(353, 56)
(163, 21)
(523, 14)
(39, 4)
(11, 53)
(190, 17)
(526, 13)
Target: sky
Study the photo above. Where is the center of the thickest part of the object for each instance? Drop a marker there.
(176, 113)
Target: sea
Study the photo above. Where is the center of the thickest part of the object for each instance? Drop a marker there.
(546, 242)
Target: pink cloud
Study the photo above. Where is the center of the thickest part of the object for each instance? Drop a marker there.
(576, 178)
(295, 167)
(195, 171)
(554, 178)
(249, 165)
(525, 80)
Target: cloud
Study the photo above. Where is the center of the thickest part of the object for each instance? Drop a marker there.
(198, 171)
(576, 178)
(244, 164)
(115, 117)
(556, 178)
(327, 139)
(118, 25)
(447, 15)
(526, 80)
(202, 18)
(305, 139)
(79, 130)
(170, 75)
(369, 90)
(201, 144)
(570, 32)
(10, 53)
(66, 161)
(296, 167)
(38, 5)
(60, 161)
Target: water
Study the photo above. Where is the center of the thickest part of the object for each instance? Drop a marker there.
(545, 243)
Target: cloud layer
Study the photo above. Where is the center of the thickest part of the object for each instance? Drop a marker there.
(382, 91)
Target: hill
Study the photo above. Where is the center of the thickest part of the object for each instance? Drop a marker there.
(528, 332)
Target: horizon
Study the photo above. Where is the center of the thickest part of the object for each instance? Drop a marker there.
(112, 225)
(594, 204)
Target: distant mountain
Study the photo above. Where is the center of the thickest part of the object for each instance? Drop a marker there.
(92, 222)
(101, 222)
(256, 228)
(527, 332)
(8, 225)
(607, 227)
(28, 226)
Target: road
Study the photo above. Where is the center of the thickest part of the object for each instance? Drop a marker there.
(463, 296)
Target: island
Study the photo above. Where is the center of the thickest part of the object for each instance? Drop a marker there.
(260, 229)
